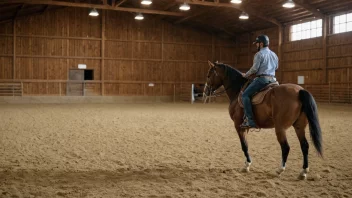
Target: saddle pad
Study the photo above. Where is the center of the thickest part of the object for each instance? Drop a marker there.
(259, 96)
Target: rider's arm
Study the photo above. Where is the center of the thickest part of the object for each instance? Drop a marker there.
(277, 61)
(256, 63)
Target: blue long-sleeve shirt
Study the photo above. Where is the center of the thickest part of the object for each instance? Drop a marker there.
(265, 62)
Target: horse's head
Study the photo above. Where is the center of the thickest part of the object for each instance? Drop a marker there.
(215, 78)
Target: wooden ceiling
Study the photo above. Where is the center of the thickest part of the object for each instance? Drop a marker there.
(217, 16)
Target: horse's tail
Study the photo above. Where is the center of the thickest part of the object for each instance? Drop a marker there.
(309, 107)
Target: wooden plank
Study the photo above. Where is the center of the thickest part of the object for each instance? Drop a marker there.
(280, 46)
(97, 81)
(300, 60)
(59, 37)
(212, 48)
(324, 40)
(298, 70)
(87, 5)
(162, 48)
(6, 35)
(339, 67)
(302, 49)
(102, 51)
(130, 71)
(249, 44)
(59, 57)
(339, 56)
(14, 50)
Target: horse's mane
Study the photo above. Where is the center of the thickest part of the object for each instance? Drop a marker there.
(234, 76)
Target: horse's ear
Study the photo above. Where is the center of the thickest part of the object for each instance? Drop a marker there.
(210, 64)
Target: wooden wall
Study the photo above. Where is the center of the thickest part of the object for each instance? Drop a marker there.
(325, 62)
(126, 55)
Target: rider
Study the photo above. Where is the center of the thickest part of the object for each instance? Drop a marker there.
(265, 63)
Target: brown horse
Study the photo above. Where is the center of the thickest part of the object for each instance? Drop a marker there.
(283, 106)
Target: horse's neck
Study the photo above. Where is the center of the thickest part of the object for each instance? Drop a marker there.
(233, 89)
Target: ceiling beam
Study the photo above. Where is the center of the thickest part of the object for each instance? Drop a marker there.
(298, 18)
(28, 14)
(117, 4)
(240, 7)
(45, 9)
(237, 26)
(18, 11)
(170, 5)
(167, 7)
(310, 8)
(191, 16)
(223, 30)
(97, 6)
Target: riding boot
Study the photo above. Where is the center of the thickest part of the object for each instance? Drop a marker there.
(247, 123)
(248, 112)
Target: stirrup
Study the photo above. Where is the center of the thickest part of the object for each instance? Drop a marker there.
(245, 125)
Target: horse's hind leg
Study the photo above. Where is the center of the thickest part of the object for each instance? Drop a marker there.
(242, 135)
(285, 147)
(300, 126)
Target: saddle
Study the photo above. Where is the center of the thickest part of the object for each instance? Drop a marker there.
(258, 97)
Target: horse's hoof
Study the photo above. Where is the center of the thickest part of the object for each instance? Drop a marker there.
(245, 169)
(280, 170)
(303, 174)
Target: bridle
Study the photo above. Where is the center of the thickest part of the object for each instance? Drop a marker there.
(212, 93)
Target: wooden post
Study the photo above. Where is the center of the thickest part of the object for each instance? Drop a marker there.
(162, 55)
(59, 88)
(67, 60)
(102, 51)
(237, 50)
(21, 88)
(348, 85)
(280, 46)
(329, 92)
(325, 32)
(174, 93)
(249, 51)
(14, 50)
(162, 43)
(212, 48)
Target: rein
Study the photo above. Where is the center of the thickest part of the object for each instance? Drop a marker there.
(213, 94)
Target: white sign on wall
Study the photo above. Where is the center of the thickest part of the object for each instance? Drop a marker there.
(300, 80)
(82, 66)
(151, 85)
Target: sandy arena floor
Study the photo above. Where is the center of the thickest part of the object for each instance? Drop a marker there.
(161, 150)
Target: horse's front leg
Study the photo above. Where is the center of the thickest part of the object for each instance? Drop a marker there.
(242, 135)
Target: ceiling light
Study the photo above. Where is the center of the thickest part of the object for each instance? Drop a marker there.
(288, 4)
(93, 12)
(244, 16)
(146, 2)
(139, 16)
(185, 7)
(236, 1)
